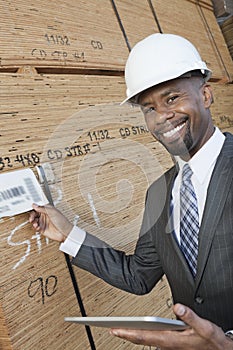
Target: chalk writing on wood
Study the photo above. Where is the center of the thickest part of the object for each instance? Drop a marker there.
(26, 243)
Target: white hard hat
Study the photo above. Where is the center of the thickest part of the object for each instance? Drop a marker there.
(159, 58)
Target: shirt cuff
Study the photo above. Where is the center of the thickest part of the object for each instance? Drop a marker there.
(229, 334)
(73, 242)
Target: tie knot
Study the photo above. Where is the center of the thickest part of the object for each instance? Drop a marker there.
(186, 173)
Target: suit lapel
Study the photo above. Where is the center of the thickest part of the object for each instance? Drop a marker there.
(218, 190)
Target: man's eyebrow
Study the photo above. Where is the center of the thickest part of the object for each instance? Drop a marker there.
(145, 104)
(170, 91)
(163, 94)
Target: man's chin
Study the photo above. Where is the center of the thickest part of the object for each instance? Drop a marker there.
(177, 150)
(178, 147)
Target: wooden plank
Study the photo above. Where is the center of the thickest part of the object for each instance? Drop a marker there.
(33, 294)
(222, 107)
(61, 35)
(137, 19)
(227, 30)
(5, 343)
(222, 8)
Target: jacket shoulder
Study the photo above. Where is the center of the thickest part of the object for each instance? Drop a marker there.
(160, 188)
(165, 178)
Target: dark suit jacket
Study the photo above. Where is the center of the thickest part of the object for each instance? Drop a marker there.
(157, 253)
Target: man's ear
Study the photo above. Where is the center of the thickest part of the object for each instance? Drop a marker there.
(207, 95)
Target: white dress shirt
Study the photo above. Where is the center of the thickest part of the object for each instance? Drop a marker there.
(202, 165)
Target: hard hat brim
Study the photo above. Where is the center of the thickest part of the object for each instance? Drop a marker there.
(205, 73)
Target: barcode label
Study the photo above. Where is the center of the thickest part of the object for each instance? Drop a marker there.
(18, 190)
(32, 190)
(11, 193)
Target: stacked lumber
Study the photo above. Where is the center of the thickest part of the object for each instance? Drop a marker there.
(61, 77)
(222, 8)
(60, 35)
(221, 108)
(227, 30)
(37, 34)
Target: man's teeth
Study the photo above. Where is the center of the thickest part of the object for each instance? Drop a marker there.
(170, 133)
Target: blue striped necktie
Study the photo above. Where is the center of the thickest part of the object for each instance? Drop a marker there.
(189, 220)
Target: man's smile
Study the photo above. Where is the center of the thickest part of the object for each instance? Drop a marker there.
(173, 131)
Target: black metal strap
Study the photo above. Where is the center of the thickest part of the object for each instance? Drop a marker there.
(68, 262)
(155, 16)
(80, 302)
(120, 24)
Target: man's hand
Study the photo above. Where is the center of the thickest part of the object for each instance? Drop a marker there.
(50, 222)
(202, 334)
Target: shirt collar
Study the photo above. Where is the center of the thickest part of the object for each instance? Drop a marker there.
(202, 161)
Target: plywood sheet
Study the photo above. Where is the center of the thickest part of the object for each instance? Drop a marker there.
(227, 30)
(222, 8)
(61, 34)
(137, 19)
(5, 343)
(222, 107)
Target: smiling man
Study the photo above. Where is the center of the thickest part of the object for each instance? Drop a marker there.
(187, 228)
(177, 114)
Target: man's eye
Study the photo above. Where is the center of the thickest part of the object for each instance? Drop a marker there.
(148, 110)
(172, 98)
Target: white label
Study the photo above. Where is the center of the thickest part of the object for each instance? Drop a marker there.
(18, 190)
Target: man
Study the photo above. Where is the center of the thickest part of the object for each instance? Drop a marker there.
(187, 229)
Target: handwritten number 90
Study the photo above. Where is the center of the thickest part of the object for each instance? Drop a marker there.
(46, 288)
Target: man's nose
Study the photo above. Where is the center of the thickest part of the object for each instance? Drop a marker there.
(163, 114)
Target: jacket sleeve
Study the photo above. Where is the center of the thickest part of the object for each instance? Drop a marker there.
(136, 273)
